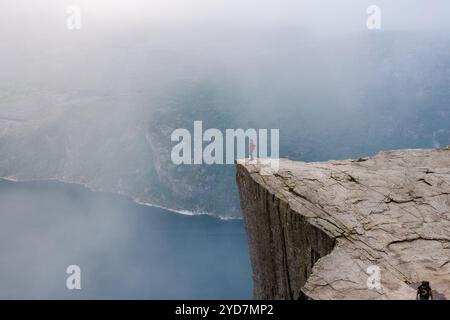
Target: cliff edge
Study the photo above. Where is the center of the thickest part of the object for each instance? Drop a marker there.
(326, 230)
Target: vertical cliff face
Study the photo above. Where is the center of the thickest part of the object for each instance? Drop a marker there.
(320, 230)
(283, 245)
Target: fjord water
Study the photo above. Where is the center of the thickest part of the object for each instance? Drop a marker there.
(124, 250)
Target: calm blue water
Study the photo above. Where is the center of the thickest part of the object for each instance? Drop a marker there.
(124, 250)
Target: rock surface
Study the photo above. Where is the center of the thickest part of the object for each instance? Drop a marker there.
(314, 229)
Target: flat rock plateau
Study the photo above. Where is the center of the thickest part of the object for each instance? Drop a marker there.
(319, 230)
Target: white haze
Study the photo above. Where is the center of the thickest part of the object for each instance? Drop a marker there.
(76, 105)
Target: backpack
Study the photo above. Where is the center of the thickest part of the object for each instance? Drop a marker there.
(424, 292)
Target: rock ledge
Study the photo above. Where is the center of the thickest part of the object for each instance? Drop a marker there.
(317, 230)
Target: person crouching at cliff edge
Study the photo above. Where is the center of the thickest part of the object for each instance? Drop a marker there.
(424, 291)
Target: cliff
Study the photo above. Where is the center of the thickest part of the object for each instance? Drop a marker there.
(318, 230)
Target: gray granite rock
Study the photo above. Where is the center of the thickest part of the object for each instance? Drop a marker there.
(317, 230)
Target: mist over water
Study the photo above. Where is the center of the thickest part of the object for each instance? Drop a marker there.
(96, 106)
(124, 250)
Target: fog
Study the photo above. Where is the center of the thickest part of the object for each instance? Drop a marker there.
(96, 106)
(317, 16)
(174, 39)
(124, 250)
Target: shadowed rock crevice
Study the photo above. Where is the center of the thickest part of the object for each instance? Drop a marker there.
(315, 228)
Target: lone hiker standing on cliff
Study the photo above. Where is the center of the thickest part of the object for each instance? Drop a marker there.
(424, 291)
(252, 149)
